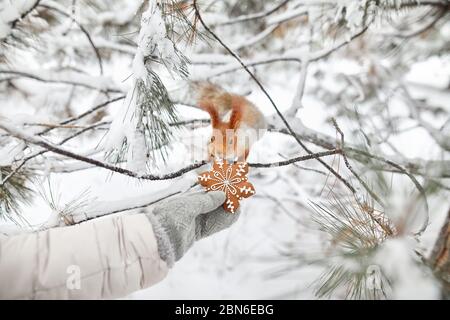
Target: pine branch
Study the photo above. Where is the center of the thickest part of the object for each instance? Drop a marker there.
(23, 15)
(296, 159)
(408, 167)
(15, 192)
(58, 150)
(354, 234)
(17, 33)
(101, 84)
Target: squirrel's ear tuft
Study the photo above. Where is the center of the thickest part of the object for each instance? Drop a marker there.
(235, 119)
(209, 107)
(237, 105)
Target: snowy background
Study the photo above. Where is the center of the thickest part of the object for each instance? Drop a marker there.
(257, 258)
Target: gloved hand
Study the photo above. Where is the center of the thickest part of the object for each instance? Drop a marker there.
(179, 222)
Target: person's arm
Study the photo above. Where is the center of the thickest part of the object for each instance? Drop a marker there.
(108, 257)
(98, 259)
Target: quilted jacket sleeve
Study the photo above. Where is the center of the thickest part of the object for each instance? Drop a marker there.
(99, 259)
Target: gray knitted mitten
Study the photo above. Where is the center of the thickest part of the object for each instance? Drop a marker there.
(179, 222)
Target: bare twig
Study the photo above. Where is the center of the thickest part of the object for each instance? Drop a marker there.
(350, 168)
(36, 154)
(408, 174)
(304, 168)
(63, 123)
(83, 29)
(62, 80)
(254, 16)
(288, 57)
(93, 109)
(297, 159)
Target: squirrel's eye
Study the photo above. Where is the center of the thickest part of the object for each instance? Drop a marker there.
(213, 138)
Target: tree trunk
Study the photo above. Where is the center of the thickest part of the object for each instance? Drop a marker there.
(440, 257)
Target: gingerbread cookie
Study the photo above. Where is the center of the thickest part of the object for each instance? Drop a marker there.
(230, 178)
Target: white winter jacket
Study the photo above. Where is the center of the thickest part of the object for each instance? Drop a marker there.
(98, 259)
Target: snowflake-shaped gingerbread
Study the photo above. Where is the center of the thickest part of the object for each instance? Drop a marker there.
(230, 178)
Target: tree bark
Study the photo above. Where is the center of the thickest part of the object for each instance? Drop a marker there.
(440, 257)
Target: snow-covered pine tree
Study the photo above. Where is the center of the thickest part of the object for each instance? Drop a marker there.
(142, 127)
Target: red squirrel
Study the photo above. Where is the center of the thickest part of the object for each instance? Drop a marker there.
(237, 123)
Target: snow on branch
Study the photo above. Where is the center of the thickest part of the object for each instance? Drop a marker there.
(141, 128)
(12, 12)
(100, 83)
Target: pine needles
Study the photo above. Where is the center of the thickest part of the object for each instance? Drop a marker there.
(14, 192)
(154, 114)
(149, 110)
(354, 230)
(17, 33)
(181, 20)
